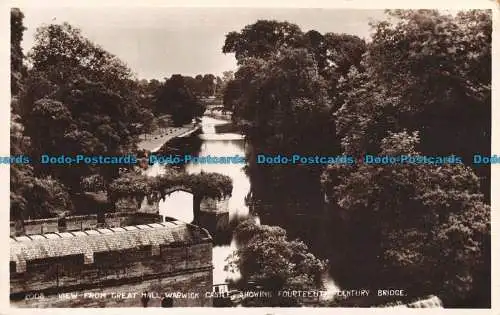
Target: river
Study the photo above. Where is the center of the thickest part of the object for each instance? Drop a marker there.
(180, 204)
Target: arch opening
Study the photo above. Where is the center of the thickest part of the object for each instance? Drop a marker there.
(178, 204)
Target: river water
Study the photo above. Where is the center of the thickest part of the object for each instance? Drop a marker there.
(180, 204)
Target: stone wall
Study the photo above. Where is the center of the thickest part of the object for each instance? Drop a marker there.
(116, 219)
(41, 226)
(214, 205)
(81, 222)
(185, 269)
(128, 204)
(195, 283)
(213, 221)
(119, 219)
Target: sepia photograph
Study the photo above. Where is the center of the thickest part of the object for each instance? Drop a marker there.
(220, 157)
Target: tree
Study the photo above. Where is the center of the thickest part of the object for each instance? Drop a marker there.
(284, 109)
(177, 99)
(17, 69)
(86, 95)
(232, 92)
(266, 257)
(208, 84)
(219, 86)
(416, 219)
(262, 39)
(334, 54)
(422, 74)
(415, 224)
(439, 68)
(30, 197)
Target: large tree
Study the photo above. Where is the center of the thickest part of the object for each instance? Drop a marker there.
(424, 72)
(30, 197)
(17, 69)
(266, 257)
(86, 95)
(176, 98)
(334, 54)
(434, 70)
(284, 109)
(422, 228)
(262, 39)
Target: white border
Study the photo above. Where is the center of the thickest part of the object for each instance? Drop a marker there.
(353, 4)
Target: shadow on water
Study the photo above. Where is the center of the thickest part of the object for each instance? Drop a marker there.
(247, 186)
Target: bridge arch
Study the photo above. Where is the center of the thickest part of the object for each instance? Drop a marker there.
(132, 191)
(177, 202)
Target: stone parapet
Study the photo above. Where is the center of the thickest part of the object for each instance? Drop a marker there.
(158, 257)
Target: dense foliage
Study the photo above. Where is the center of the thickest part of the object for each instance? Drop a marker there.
(77, 98)
(267, 258)
(421, 84)
(425, 73)
(174, 97)
(420, 222)
(18, 70)
(281, 98)
(31, 197)
(211, 185)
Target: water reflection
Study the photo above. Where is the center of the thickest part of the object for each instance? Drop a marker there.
(179, 204)
(226, 144)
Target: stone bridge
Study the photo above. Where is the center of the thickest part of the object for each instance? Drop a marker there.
(209, 213)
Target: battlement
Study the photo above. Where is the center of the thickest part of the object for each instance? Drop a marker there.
(88, 244)
(81, 223)
(155, 257)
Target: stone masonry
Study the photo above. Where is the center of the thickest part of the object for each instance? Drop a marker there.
(112, 267)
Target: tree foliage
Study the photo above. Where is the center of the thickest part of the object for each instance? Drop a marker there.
(329, 94)
(31, 197)
(428, 72)
(86, 96)
(421, 222)
(266, 257)
(262, 39)
(334, 54)
(175, 97)
(138, 186)
(17, 68)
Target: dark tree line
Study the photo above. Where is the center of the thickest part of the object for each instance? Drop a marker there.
(181, 96)
(421, 85)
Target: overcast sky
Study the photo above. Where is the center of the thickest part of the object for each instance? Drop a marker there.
(159, 42)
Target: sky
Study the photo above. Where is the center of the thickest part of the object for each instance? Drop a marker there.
(158, 42)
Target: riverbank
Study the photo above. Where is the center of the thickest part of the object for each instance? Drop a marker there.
(154, 141)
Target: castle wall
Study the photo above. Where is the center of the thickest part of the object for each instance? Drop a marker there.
(214, 205)
(213, 221)
(184, 268)
(32, 227)
(81, 222)
(196, 284)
